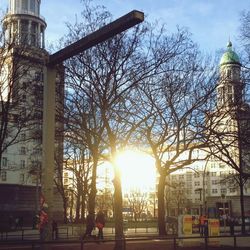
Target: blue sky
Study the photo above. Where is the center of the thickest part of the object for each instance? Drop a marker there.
(211, 22)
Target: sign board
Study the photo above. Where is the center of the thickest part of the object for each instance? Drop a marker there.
(214, 227)
(187, 224)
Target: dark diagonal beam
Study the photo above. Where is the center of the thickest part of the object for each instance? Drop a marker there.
(119, 25)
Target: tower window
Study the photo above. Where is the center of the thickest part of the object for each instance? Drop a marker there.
(32, 6)
(25, 5)
(24, 32)
(229, 73)
(21, 178)
(4, 162)
(3, 175)
(23, 151)
(22, 164)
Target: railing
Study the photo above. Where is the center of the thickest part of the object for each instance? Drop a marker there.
(170, 243)
(72, 231)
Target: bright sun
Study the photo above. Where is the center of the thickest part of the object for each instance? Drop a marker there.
(137, 170)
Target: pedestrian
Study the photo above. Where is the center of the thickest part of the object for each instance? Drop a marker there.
(10, 222)
(20, 222)
(16, 222)
(90, 224)
(54, 230)
(206, 227)
(202, 224)
(100, 223)
(231, 225)
(35, 221)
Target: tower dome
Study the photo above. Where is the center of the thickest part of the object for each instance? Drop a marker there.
(229, 57)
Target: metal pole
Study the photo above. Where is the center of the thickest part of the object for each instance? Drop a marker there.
(48, 167)
(224, 215)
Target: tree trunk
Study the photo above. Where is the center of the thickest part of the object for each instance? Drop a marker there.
(161, 206)
(83, 207)
(77, 215)
(65, 209)
(92, 195)
(119, 244)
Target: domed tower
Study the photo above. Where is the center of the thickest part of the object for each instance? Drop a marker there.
(23, 24)
(230, 87)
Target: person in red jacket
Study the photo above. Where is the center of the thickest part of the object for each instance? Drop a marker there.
(203, 220)
(100, 223)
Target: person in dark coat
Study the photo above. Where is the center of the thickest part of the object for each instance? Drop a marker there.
(231, 225)
(54, 230)
(100, 223)
(90, 224)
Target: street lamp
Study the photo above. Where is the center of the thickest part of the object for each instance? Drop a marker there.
(121, 24)
(200, 192)
(223, 200)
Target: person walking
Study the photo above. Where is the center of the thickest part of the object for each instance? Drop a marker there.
(231, 225)
(100, 223)
(54, 230)
(202, 224)
(90, 224)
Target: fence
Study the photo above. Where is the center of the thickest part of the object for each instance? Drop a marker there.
(74, 231)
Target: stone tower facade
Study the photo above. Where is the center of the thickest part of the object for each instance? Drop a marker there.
(25, 67)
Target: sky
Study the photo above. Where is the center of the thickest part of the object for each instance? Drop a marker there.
(211, 22)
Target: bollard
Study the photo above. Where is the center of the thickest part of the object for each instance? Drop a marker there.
(206, 243)
(174, 243)
(81, 243)
(235, 244)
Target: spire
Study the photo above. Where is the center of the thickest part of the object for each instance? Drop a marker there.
(229, 44)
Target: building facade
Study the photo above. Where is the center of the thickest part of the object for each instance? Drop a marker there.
(212, 186)
(23, 73)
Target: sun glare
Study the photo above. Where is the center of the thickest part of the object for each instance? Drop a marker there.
(137, 170)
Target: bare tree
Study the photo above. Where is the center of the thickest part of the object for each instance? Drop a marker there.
(106, 76)
(176, 196)
(176, 101)
(78, 167)
(137, 202)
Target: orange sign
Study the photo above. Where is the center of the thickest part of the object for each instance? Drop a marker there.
(187, 224)
(214, 227)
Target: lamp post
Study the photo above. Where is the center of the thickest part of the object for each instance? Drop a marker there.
(223, 200)
(200, 192)
(123, 23)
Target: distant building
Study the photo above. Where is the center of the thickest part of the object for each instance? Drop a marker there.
(210, 186)
(24, 47)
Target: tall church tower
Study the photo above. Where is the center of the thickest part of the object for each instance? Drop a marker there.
(233, 113)
(23, 24)
(230, 87)
(25, 66)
